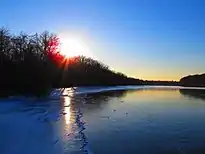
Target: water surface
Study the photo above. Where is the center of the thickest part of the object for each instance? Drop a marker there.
(149, 120)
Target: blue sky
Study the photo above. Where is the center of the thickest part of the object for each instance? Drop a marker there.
(149, 39)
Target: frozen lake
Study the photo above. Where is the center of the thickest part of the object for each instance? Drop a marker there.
(142, 120)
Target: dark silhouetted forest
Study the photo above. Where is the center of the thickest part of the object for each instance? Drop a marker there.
(32, 64)
(193, 81)
(160, 83)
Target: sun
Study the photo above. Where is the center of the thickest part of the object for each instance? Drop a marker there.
(73, 46)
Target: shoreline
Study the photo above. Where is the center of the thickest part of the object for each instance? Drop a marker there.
(57, 92)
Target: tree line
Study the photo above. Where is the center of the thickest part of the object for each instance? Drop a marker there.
(197, 80)
(33, 64)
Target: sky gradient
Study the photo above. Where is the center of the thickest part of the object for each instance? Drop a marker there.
(149, 39)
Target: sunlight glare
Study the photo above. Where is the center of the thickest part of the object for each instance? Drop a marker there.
(73, 46)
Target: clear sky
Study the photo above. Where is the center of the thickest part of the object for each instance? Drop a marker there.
(147, 39)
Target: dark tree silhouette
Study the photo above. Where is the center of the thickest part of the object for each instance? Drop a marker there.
(32, 64)
(193, 81)
(24, 63)
(162, 83)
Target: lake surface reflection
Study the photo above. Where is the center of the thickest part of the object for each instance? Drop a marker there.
(144, 121)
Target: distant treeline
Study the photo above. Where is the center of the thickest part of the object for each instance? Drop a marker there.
(32, 64)
(160, 83)
(193, 81)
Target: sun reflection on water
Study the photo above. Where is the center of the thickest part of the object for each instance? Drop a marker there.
(67, 110)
